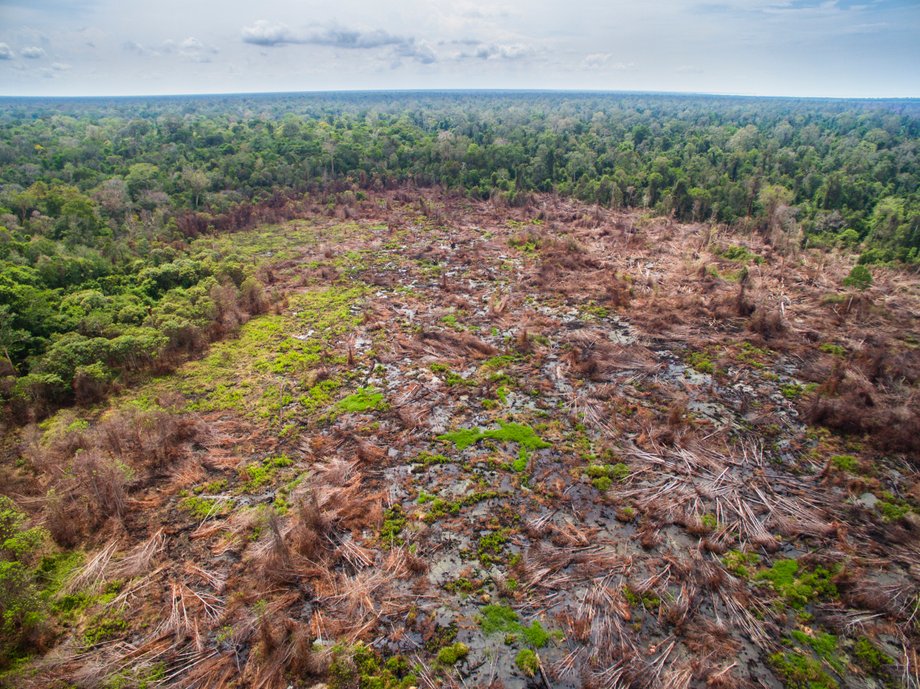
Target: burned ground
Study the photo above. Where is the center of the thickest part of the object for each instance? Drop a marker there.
(480, 446)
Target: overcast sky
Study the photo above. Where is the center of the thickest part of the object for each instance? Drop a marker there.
(865, 48)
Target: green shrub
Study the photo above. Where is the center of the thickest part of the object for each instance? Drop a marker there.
(860, 277)
(23, 610)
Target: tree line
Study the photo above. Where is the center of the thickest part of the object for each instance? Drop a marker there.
(98, 197)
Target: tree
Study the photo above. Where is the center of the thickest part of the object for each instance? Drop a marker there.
(197, 181)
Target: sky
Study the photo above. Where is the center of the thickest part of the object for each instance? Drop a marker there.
(820, 48)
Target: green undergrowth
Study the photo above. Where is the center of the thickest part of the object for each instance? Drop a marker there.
(796, 585)
(490, 547)
(261, 474)
(847, 463)
(200, 507)
(799, 671)
(603, 475)
(360, 667)
(740, 563)
(453, 654)
(509, 432)
(33, 575)
(648, 600)
(870, 658)
(103, 627)
(146, 677)
(501, 619)
(267, 366)
(527, 662)
(701, 362)
(824, 646)
(365, 399)
(740, 254)
(892, 508)
(438, 507)
(394, 520)
(427, 459)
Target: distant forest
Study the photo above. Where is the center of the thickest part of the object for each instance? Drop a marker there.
(98, 197)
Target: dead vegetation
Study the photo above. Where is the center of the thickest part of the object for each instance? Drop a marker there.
(611, 433)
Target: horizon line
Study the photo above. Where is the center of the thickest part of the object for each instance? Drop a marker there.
(319, 92)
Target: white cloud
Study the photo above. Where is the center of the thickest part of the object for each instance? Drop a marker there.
(193, 49)
(274, 35)
(6, 53)
(499, 51)
(32, 53)
(190, 48)
(606, 61)
(268, 33)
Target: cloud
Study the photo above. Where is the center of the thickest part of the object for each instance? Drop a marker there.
(54, 7)
(605, 61)
(419, 51)
(356, 40)
(32, 53)
(190, 49)
(6, 53)
(269, 34)
(60, 66)
(273, 35)
(193, 49)
(499, 51)
(135, 47)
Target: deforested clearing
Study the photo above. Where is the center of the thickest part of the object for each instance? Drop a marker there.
(458, 443)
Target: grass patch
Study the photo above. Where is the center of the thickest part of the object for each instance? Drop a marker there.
(453, 654)
(104, 627)
(527, 662)
(426, 459)
(700, 361)
(365, 399)
(869, 658)
(845, 463)
(740, 254)
(603, 475)
(496, 619)
(824, 645)
(801, 672)
(361, 666)
(205, 508)
(740, 563)
(257, 372)
(891, 508)
(834, 349)
(798, 587)
(518, 433)
(394, 520)
(491, 546)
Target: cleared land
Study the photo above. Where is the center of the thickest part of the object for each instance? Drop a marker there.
(471, 445)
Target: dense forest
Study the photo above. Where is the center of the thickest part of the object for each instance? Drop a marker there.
(99, 197)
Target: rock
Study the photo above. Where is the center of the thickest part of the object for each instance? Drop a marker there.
(867, 500)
